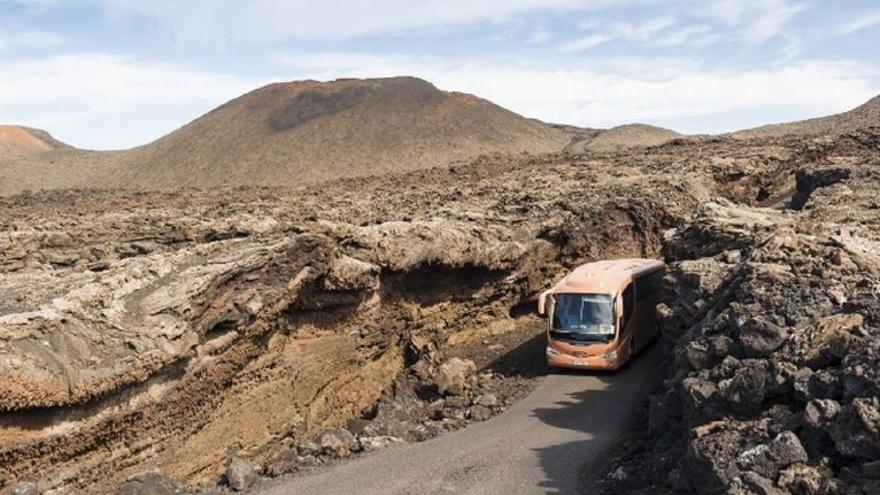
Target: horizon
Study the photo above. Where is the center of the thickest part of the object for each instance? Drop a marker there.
(110, 74)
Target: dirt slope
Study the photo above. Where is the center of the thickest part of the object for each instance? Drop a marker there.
(31, 159)
(17, 141)
(304, 132)
(630, 135)
(865, 115)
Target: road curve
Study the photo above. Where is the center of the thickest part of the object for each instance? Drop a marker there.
(542, 444)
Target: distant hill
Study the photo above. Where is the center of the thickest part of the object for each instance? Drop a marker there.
(864, 115)
(631, 135)
(624, 136)
(304, 132)
(295, 133)
(33, 159)
(18, 141)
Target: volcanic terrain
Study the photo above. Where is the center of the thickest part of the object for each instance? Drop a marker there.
(206, 340)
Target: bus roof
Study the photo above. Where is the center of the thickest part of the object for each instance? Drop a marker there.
(606, 276)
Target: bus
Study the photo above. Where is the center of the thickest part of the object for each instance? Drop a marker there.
(602, 313)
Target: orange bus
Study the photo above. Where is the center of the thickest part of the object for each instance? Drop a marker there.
(602, 314)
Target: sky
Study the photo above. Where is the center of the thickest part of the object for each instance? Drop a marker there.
(110, 74)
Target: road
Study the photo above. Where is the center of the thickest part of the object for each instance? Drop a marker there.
(542, 444)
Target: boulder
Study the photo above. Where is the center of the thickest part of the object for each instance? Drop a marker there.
(807, 480)
(759, 337)
(369, 444)
(819, 413)
(453, 376)
(488, 400)
(856, 429)
(151, 483)
(746, 390)
(833, 339)
(282, 463)
(336, 442)
(756, 484)
(480, 413)
(239, 474)
(307, 448)
(769, 458)
(24, 488)
(143, 247)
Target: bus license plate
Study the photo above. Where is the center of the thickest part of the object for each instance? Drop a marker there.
(579, 362)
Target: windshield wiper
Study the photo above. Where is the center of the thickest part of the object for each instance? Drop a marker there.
(578, 336)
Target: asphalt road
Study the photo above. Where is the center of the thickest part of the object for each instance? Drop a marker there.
(542, 444)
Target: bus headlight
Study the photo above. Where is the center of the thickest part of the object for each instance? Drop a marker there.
(610, 356)
(553, 352)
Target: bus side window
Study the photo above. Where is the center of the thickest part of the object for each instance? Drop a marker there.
(628, 303)
(648, 285)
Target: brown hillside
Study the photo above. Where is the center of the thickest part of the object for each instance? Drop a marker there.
(304, 132)
(17, 141)
(629, 136)
(33, 159)
(863, 116)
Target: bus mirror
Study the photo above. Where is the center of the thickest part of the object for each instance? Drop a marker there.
(542, 303)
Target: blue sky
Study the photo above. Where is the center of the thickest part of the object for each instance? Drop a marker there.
(109, 74)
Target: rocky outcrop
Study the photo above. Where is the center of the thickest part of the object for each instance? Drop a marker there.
(775, 337)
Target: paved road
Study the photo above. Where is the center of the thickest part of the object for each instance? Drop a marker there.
(542, 444)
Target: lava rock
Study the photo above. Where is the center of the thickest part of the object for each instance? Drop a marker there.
(151, 483)
(746, 390)
(759, 337)
(456, 402)
(756, 484)
(856, 430)
(239, 474)
(488, 400)
(369, 444)
(143, 247)
(480, 413)
(307, 448)
(768, 459)
(336, 442)
(24, 488)
(819, 413)
(453, 376)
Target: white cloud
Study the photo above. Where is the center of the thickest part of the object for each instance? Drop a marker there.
(268, 20)
(753, 21)
(864, 21)
(643, 30)
(37, 38)
(585, 43)
(539, 35)
(619, 30)
(771, 21)
(83, 93)
(699, 34)
(624, 90)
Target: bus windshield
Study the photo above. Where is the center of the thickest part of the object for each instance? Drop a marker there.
(583, 317)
